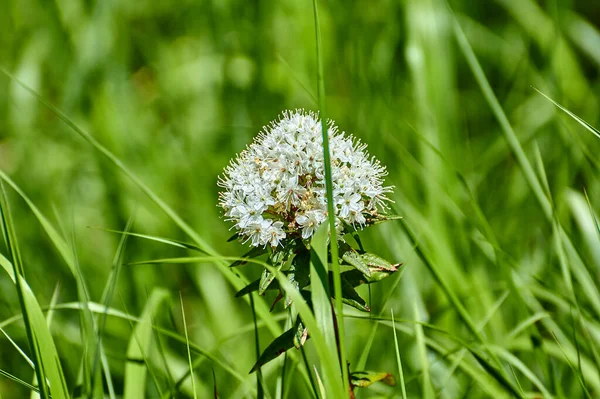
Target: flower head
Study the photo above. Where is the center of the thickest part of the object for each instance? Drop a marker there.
(275, 189)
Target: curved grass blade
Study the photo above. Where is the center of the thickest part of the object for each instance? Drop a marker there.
(19, 381)
(140, 346)
(14, 344)
(70, 258)
(45, 352)
(583, 123)
(279, 345)
(427, 390)
(398, 359)
(337, 280)
(48, 369)
(107, 297)
(321, 299)
(169, 241)
(518, 364)
(187, 345)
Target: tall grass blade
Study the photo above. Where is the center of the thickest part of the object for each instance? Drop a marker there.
(322, 307)
(21, 352)
(427, 390)
(322, 390)
(259, 380)
(337, 281)
(48, 369)
(88, 326)
(139, 347)
(583, 123)
(498, 112)
(575, 370)
(187, 344)
(592, 214)
(107, 297)
(398, 359)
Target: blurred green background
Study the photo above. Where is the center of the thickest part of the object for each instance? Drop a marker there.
(176, 88)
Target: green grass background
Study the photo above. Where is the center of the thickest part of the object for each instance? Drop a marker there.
(501, 250)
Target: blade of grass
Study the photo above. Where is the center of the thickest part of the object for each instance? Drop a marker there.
(259, 380)
(187, 344)
(398, 359)
(48, 368)
(69, 255)
(107, 297)
(507, 129)
(518, 364)
(49, 317)
(337, 281)
(592, 214)
(139, 347)
(175, 243)
(19, 381)
(21, 352)
(583, 123)
(321, 300)
(322, 390)
(576, 371)
(427, 388)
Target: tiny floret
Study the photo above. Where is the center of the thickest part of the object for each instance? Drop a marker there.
(275, 189)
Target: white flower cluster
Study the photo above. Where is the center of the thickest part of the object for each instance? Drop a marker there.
(276, 187)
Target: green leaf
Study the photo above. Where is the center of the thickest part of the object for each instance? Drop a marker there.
(351, 297)
(356, 278)
(377, 262)
(350, 256)
(278, 258)
(285, 341)
(299, 273)
(253, 286)
(266, 280)
(364, 379)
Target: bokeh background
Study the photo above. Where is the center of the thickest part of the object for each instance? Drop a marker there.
(176, 88)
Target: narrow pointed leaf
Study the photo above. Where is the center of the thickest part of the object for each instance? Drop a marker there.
(364, 379)
(351, 297)
(169, 241)
(253, 253)
(253, 286)
(356, 278)
(281, 344)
